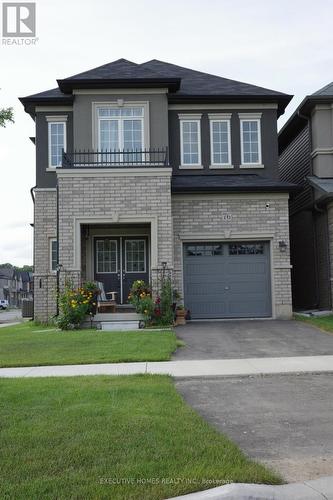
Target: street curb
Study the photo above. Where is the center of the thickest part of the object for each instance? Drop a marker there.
(318, 489)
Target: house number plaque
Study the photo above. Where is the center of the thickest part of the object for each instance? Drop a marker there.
(226, 217)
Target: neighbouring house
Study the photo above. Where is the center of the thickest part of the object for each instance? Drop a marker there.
(145, 167)
(306, 158)
(15, 285)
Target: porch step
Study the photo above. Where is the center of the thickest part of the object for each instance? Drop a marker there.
(119, 325)
(111, 317)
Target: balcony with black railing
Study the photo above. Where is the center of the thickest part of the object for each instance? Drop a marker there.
(125, 158)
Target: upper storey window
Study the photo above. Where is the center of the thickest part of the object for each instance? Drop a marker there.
(120, 128)
(250, 140)
(56, 139)
(220, 140)
(190, 141)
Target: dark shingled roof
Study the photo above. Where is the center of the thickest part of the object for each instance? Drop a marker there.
(223, 183)
(183, 84)
(198, 83)
(120, 69)
(327, 90)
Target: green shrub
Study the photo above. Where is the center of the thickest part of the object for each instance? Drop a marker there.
(75, 305)
(155, 312)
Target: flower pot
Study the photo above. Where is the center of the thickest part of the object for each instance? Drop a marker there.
(180, 317)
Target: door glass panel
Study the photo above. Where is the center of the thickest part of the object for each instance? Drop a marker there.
(246, 249)
(106, 256)
(135, 256)
(206, 249)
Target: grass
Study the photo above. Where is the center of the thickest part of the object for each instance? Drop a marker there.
(128, 437)
(324, 323)
(28, 345)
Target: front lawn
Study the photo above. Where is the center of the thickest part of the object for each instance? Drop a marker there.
(323, 322)
(128, 437)
(28, 345)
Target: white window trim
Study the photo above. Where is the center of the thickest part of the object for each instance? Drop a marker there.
(190, 118)
(51, 240)
(216, 118)
(52, 120)
(117, 263)
(145, 256)
(254, 117)
(120, 103)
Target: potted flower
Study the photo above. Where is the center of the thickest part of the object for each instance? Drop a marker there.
(181, 315)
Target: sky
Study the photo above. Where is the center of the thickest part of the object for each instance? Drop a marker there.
(284, 45)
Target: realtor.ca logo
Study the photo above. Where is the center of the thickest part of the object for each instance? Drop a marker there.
(18, 23)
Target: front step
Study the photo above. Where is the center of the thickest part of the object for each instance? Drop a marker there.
(123, 316)
(119, 325)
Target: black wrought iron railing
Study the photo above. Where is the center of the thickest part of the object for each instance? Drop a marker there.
(157, 157)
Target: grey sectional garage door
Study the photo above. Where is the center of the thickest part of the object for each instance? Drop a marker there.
(227, 280)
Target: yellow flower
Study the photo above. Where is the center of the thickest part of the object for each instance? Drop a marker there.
(145, 311)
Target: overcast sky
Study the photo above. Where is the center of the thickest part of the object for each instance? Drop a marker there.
(284, 45)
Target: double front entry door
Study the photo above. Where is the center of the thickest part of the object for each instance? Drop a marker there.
(118, 261)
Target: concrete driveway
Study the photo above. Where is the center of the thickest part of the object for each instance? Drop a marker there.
(10, 316)
(251, 339)
(284, 421)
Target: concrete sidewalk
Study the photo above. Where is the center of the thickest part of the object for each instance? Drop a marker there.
(319, 489)
(193, 368)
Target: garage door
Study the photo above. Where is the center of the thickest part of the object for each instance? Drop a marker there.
(227, 280)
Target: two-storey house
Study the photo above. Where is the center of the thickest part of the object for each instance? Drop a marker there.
(306, 158)
(141, 167)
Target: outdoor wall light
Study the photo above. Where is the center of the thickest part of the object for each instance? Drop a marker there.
(282, 246)
(164, 264)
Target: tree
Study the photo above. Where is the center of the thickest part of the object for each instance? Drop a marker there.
(6, 115)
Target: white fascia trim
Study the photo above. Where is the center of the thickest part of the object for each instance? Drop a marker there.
(45, 189)
(219, 116)
(252, 165)
(109, 172)
(221, 167)
(250, 116)
(189, 116)
(120, 91)
(190, 107)
(56, 118)
(53, 108)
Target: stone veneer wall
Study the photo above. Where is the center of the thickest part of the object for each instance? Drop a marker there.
(250, 215)
(114, 197)
(45, 228)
